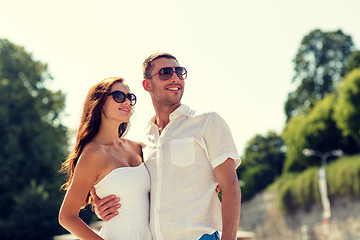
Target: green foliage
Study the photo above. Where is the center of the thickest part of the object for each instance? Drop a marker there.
(316, 130)
(265, 150)
(347, 109)
(344, 177)
(262, 163)
(301, 191)
(256, 179)
(319, 65)
(33, 142)
(34, 209)
(353, 63)
(294, 139)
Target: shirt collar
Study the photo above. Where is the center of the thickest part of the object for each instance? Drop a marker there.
(182, 110)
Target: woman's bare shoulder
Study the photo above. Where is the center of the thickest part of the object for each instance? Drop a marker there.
(136, 146)
(93, 153)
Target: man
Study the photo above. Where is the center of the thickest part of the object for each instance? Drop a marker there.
(187, 154)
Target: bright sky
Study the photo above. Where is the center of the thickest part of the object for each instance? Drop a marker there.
(238, 53)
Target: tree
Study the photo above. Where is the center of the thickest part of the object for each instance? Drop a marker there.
(266, 150)
(347, 109)
(255, 179)
(316, 130)
(262, 163)
(33, 143)
(319, 66)
(353, 62)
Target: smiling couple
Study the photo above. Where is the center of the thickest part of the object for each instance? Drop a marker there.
(183, 158)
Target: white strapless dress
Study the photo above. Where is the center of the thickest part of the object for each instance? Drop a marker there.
(132, 186)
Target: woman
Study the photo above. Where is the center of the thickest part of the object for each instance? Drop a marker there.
(112, 164)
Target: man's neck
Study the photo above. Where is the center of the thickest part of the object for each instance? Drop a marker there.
(162, 117)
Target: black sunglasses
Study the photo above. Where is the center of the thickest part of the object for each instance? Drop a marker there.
(167, 72)
(120, 97)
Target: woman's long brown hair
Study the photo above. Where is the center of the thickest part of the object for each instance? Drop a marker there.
(89, 127)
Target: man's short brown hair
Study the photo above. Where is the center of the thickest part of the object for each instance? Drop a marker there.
(148, 63)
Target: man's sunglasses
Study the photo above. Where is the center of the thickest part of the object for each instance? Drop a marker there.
(120, 97)
(167, 72)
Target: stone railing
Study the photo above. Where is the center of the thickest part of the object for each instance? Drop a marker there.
(241, 235)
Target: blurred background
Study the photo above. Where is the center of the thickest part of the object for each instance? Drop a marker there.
(285, 75)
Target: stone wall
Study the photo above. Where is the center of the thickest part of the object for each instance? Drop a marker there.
(262, 216)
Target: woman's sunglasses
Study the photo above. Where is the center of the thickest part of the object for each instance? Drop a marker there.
(120, 97)
(167, 72)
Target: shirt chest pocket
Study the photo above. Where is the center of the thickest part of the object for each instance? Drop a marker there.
(182, 151)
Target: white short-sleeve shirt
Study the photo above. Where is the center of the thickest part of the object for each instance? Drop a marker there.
(181, 162)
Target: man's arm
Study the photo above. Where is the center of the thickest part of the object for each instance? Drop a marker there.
(105, 208)
(231, 198)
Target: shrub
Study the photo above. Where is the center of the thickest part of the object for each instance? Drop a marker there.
(301, 191)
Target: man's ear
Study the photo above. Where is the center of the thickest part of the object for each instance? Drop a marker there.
(146, 85)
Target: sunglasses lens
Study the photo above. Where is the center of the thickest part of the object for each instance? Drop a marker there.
(165, 73)
(181, 72)
(118, 96)
(132, 98)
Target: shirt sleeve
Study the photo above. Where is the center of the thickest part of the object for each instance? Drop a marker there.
(219, 141)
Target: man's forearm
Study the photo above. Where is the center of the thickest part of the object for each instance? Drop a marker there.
(231, 205)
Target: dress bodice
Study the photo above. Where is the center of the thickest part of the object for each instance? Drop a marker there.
(132, 186)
